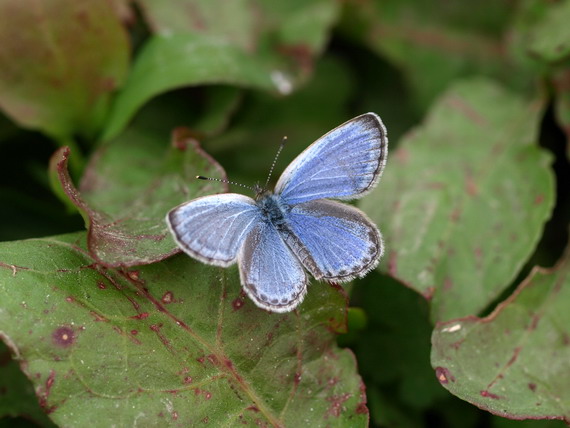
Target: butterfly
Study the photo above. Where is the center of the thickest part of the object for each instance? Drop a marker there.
(277, 237)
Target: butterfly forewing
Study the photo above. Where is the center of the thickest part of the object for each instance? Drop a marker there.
(334, 241)
(213, 228)
(343, 164)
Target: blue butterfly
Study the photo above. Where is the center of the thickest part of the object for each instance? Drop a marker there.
(278, 236)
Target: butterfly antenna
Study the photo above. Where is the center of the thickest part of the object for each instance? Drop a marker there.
(275, 160)
(201, 177)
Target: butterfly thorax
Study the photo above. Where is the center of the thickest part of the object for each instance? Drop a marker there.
(272, 208)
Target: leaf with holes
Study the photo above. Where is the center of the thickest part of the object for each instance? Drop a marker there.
(464, 198)
(515, 362)
(54, 74)
(175, 342)
(125, 207)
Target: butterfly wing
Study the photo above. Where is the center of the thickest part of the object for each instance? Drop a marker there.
(213, 228)
(334, 241)
(270, 273)
(343, 164)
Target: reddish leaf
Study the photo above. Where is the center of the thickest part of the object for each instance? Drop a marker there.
(60, 60)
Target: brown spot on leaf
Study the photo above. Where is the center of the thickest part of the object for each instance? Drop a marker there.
(488, 394)
(134, 275)
(13, 268)
(471, 186)
(167, 298)
(534, 322)
(300, 53)
(238, 303)
(443, 375)
(297, 379)
(207, 394)
(516, 352)
(393, 263)
(98, 317)
(532, 387)
(479, 257)
(455, 215)
(101, 285)
(428, 293)
(459, 104)
(63, 336)
(43, 393)
(141, 316)
(402, 156)
(457, 345)
(182, 138)
(336, 407)
(539, 199)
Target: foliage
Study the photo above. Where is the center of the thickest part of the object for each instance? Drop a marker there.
(109, 109)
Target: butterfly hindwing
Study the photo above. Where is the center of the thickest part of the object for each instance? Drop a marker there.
(334, 241)
(270, 273)
(343, 164)
(213, 228)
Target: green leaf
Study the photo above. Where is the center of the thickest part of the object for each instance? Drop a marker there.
(128, 188)
(245, 22)
(550, 37)
(248, 146)
(17, 398)
(170, 62)
(393, 350)
(433, 45)
(561, 83)
(175, 342)
(54, 74)
(232, 21)
(464, 198)
(514, 362)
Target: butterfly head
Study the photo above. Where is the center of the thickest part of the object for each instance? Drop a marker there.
(260, 191)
